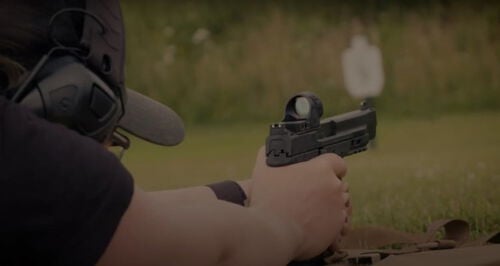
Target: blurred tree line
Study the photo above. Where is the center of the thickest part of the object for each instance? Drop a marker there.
(227, 61)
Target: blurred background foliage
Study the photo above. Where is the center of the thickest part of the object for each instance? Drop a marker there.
(226, 61)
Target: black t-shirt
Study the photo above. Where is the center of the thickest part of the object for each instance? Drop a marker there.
(62, 195)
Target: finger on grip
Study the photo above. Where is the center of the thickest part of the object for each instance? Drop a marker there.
(335, 162)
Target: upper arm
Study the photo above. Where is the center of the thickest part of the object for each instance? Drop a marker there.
(153, 231)
(63, 194)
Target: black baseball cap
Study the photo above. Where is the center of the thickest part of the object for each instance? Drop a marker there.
(104, 32)
(151, 120)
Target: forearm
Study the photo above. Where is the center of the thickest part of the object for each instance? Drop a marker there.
(193, 194)
(221, 233)
(200, 233)
(184, 195)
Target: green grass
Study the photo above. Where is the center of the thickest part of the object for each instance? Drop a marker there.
(420, 170)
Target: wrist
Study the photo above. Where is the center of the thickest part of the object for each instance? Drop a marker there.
(288, 234)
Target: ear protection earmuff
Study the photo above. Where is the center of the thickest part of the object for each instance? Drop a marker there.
(81, 86)
(65, 91)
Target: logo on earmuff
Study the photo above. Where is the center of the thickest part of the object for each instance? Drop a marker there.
(64, 104)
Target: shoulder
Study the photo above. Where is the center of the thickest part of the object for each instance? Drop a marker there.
(68, 186)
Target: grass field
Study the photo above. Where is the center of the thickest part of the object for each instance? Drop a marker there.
(420, 170)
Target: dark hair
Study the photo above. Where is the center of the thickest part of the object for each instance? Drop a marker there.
(10, 74)
(25, 34)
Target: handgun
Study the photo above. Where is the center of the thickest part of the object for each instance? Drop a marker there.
(302, 135)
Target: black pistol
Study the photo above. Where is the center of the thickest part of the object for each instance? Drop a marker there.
(302, 135)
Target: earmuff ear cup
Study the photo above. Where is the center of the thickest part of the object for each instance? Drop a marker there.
(67, 92)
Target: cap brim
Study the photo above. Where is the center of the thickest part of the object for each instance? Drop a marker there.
(151, 120)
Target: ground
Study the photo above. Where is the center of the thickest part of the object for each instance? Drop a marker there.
(420, 169)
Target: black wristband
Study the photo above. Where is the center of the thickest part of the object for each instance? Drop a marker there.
(229, 191)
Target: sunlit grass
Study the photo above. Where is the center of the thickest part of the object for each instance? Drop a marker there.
(428, 170)
(420, 170)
